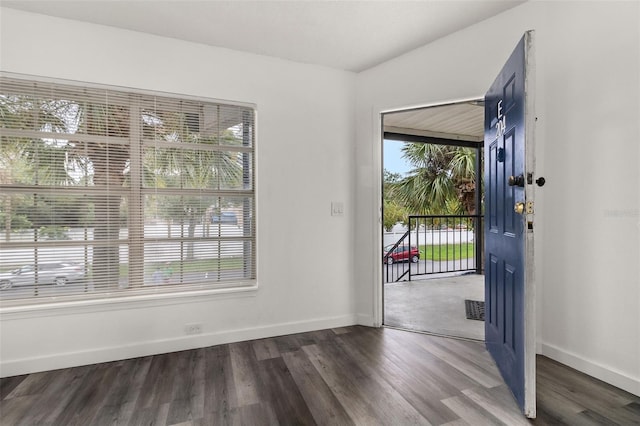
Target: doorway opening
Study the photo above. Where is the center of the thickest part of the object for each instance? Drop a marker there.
(432, 264)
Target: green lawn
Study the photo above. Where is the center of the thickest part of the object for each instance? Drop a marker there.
(450, 252)
(202, 265)
(197, 265)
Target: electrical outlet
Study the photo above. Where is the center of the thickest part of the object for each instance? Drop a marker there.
(193, 329)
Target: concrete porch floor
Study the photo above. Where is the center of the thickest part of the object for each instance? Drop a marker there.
(435, 305)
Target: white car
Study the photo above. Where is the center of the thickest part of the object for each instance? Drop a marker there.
(56, 273)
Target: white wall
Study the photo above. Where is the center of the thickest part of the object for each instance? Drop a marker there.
(588, 135)
(305, 157)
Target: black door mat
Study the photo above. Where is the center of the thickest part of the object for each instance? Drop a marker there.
(474, 309)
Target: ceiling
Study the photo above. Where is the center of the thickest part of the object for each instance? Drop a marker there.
(347, 35)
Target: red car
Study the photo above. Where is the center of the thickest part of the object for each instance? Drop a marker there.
(401, 254)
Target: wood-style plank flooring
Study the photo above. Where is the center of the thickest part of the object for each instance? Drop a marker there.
(347, 376)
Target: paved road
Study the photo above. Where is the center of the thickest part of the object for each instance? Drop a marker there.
(87, 286)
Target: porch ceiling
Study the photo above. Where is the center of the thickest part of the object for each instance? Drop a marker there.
(461, 122)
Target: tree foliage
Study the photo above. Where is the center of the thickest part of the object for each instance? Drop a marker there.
(393, 209)
(442, 180)
(91, 161)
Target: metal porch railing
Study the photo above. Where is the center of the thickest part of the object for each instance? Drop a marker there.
(443, 244)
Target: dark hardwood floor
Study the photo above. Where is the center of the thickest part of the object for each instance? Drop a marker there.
(354, 375)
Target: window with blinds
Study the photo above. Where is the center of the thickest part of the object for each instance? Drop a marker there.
(109, 193)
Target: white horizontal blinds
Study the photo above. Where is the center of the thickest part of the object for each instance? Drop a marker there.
(118, 193)
(201, 191)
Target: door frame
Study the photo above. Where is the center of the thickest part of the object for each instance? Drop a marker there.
(378, 122)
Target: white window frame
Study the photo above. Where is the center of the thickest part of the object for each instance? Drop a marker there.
(142, 294)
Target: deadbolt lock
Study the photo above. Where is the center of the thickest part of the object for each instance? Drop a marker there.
(516, 181)
(519, 208)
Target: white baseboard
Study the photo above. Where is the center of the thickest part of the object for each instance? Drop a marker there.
(366, 320)
(606, 374)
(107, 354)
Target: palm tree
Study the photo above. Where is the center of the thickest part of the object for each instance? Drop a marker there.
(442, 181)
(106, 167)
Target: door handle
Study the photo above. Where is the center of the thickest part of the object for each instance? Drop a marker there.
(516, 180)
(518, 208)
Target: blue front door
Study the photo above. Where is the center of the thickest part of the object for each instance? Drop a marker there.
(509, 225)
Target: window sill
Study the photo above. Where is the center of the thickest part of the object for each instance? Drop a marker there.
(248, 289)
